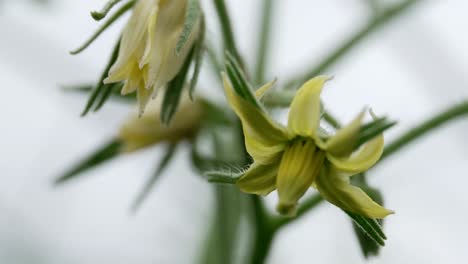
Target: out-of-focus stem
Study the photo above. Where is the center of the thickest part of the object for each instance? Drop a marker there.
(375, 23)
(226, 27)
(264, 232)
(435, 122)
(264, 40)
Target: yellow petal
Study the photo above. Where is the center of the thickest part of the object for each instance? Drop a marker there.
(259, 179)
(336, 188)
(299, 167)
(344, 141)
(361, 160)
(263, 153)
(143, 97)
(260, 92)
(304, 114)
(264, 138)
(133, 36)
(138, 132)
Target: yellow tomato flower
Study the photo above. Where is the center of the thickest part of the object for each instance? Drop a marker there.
(147, 130)
(147, 57)
(293, 158)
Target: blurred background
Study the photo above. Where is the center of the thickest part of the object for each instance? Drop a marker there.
(411, 69)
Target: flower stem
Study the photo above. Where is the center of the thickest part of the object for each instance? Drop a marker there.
(264, 232)
(437, 121)
(228, 35)
(375, 23)
(264, 40)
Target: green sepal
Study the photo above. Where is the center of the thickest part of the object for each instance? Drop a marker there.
(162, 165)
(369, 226)
(114, 92)
(103, 154)
(239, 82)
(98, 15)
(368, 246)
(104, 26)
(223, 176)
(198, 59)
(373, 129)
(100, 86)
(174, 91)
(192, 14)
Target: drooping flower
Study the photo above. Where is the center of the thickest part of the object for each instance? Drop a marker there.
(147, 130)
(293, 158)
(147, 57)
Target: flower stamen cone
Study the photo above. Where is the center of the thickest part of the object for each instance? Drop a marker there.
(299, 167)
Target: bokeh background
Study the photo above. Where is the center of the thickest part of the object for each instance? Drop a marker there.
(411, 69)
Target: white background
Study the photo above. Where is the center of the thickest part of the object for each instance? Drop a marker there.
(410, 70)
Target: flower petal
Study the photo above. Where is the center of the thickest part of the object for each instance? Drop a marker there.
(264, 138)
(132, 43)
(336, 188)
(344, 141)
(298, 169)
(259, 179)
(361, 160)
(304, 114)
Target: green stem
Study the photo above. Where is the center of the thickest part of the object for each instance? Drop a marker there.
(228, 35)
(427, 126)
(264, 40)
(376, 23)
(264, 232)
(331, 120)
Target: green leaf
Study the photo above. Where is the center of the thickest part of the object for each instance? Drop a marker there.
(174, 91)
(101, 155)
(370, 227)
(106, 24)
(151, 182)
(100, 86)
(98, 15)
(192, 15)
(198, 58)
